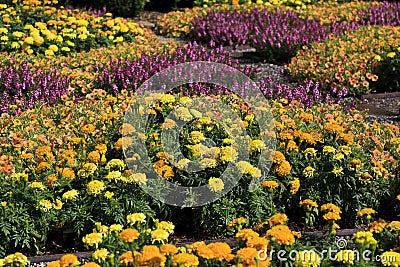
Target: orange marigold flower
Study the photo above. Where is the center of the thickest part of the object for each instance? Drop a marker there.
(270, 184)
(246, 234)
(168, 249)
(68, 259)
(185, 259)
(283, 169)
(366, 211)
(129, 235)
(331, 216)
(331, 207)
(279, 157)
(281, 234)
(222, 251)
(377, 226)
(308, 203)
(258, 243)
(276, 219)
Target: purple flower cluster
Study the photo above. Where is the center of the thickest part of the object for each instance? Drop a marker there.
(386, 13)
(277, 32)
(23, 88)
(130, 75)
(93, 11)
(307, 94)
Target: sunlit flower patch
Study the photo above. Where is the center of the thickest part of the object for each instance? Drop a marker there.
(351, 60)
(42, 28)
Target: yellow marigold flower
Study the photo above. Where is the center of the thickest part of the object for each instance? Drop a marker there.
(114, 175)
(129, 235)
(227, 154)
(256, 145)
(45, 205)
(38, 185)
(391, 54)
(215, 184)
(310, 152)
(185, 259)
(108, 195)
(366, 211)
(3, 204)
(328, 149)
(49, 52)
(116, 228)
(331, 216)
(254, 172)
(208, 163)
(270, 184)
(100, 254)
(337, 171)
(294, 186)
(93, 239)
(345, 150)
(308, 172)
(283, 169)
(95, 187)
(87, 170)
(136, 218)
(70, 195)
(57, 205)
(307, 258)
(246, 234)
(168, 249)
(390, 258)
(16, 259)
(165, 225)
(160, 235)
(167, 98)
(196, 137)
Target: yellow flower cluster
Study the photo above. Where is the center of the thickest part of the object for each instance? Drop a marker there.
(62, 30)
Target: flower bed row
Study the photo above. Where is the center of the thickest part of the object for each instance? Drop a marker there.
(62, 167)
(360, 60)
(144, 242)
(33, 27)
